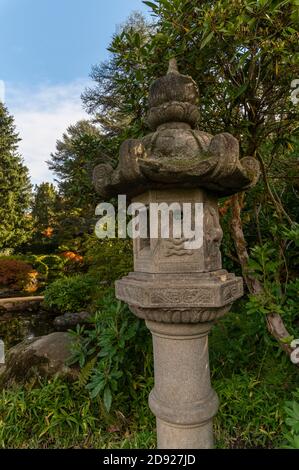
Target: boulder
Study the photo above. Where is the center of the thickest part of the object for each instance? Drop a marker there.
(70, 320)
(44, 356)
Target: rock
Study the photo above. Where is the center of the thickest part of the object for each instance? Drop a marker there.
(70, 320)
(45, 356)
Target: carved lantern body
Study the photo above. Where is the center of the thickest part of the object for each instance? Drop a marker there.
(179, 288)
(174, 284)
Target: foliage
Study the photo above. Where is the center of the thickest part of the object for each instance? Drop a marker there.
(43, 206)
(252, 386)
(118, 98)
(47, 267)
(292, 421)
(107, 353)
(15, 189)
(277, 296)
(48, 413)
(76, 155)
(243, 55)
(15, 274)
(110, 259)
(55, 265)
(44, 216)
(61, 415)
(70, 294)
(251, 382)
(249, 414)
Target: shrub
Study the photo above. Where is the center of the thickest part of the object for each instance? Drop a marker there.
(115, 356)
(16, 274)
(70, 255)
(74, 262)
(50, 267)
(70, 294)
(109, 259)
(55, 265)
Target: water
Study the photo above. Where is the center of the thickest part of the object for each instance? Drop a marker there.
(17, 326)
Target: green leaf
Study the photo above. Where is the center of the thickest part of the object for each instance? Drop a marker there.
(107, 398)
(287, 339)
(296, 410)
(240, 90)
(151, 5)
(207, 39)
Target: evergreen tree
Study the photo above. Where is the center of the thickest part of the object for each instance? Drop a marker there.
(77, 153)
(44, 207)
(15, 188)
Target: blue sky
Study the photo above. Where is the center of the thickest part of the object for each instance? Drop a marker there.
(47, 48)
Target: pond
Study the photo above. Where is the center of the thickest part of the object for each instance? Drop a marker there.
(17, 326)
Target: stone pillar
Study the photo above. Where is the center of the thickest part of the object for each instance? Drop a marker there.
(182, 400)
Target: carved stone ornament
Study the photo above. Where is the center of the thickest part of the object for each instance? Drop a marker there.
(176, 153)
(172, 299)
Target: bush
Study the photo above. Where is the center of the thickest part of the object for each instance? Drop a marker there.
(55, 265)
(70, 294)
(50, 267)
(16, 274)
(253, 378)
(74, 263)
(115, 356)
(109, 259)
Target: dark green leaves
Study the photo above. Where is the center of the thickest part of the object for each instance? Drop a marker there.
(15, 188)
(114, 342)
(207, 39)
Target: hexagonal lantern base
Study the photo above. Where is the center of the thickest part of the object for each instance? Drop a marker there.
(170, 298)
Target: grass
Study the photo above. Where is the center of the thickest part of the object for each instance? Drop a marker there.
(253, 379)
(59, 415)
(251, 376)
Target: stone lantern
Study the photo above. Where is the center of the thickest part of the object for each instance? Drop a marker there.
(179, 291)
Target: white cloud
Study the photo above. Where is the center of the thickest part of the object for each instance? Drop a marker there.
(41, 116)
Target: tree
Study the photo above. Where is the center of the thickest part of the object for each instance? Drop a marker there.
(81, 148)
(118, 98)
(243, 54)
(15, 188)
(44, 207)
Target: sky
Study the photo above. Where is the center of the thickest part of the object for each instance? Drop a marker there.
(47, 49)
